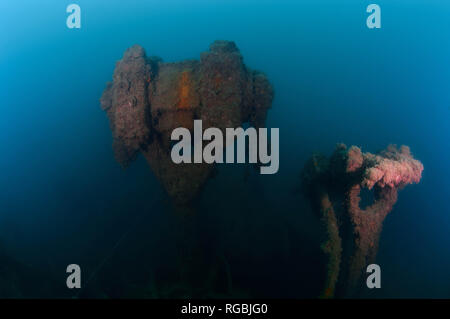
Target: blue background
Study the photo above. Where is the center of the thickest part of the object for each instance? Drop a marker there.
(63, 197)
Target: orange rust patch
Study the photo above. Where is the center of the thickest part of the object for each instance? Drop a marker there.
(184, 91)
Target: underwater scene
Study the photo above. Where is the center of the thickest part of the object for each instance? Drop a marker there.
(171, 149)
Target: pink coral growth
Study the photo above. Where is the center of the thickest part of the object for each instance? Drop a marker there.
(393, 167)
(389, 170)
(344, 175)
(355, 159)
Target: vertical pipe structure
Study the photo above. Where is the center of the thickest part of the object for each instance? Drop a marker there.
(342, 177)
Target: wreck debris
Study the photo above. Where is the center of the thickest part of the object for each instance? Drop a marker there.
(334, 185)
(148, 99)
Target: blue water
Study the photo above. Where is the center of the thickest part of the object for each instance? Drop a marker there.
(63, 198)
